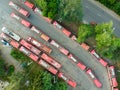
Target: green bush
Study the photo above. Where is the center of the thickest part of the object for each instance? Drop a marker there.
(2, 68)
(10, 70)
(84, 32)
(19, 55)
(117, 8)
(35, 78)
(112, 4)
(49, 7)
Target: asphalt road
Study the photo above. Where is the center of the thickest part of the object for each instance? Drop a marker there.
(93, 12)
(68, 67)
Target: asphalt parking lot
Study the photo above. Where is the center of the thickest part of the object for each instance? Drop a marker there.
(68, 67)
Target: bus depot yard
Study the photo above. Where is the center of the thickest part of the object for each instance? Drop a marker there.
(57, 50)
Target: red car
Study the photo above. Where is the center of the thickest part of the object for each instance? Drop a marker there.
(57, 25)
(33, 28)
(113, 77)
(69, 34)
(95, 80)
(48, 66)
(51, 60)
(64, 51)
(85, 46)
(29, 4)
(39, 45)
(30, 47)
(66, 32)
(73, 37)
(79, 64)
(54, 44)
(28, 53)
(103, 62)
(47, 19)
(61, 48)
(45, 37)
(95, 54)
(19, 9)
(38, 11)
(22, 21)
(26, 23)
(66, 79)
(70, 56)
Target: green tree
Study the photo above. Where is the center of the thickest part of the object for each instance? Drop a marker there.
(10, 70)
(115, 43)
(60, 85)
(70, 10)
(51, 14)
(117, 7)
(103, 40)
(104, 35)
(46, 81)
(41, 3)
(104, 27)
(2, 68)
(106, 42)
(15, 79)
(35, 81)
(84, 32)
(112, 2)
(49, 7)
(34, 77)
(108, 2)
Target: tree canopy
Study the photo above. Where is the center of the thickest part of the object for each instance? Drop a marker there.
(104, 35)
(48, 7)
(35, 80)
(107, 43)
(2, 68)
(84, 32)
(112, 4)
(70, 10)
